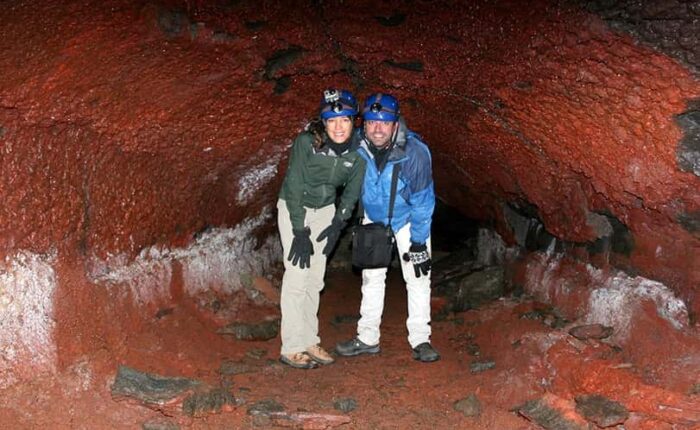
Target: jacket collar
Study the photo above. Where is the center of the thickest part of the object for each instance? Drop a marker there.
(327, 147)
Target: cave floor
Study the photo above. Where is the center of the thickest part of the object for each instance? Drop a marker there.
(391, 390)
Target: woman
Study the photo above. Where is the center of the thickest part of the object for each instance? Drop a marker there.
(323, 159)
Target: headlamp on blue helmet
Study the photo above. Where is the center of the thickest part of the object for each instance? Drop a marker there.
(381, 107)
(338, 103)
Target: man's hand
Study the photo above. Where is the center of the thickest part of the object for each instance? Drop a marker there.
(418, 255)
(302, 249)
(332, 233)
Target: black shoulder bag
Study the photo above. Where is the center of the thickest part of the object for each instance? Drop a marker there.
(373, 244)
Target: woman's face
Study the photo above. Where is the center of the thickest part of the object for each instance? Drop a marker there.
(339, 128)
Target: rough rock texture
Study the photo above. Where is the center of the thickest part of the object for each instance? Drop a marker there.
(603, 412)
(27, 288)
(671, 26)
(140, 143)
(644, 315)
(613, 298)
(473, 290)
(390, 389)
(553, 413)
(470, 406)
(154, 391)
(548, 107)
(260, 331)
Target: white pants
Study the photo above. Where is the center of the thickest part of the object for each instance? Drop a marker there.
(301, 287)
(373, 286)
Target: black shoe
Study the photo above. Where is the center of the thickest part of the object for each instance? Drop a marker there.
(355, 347)
(425, 353)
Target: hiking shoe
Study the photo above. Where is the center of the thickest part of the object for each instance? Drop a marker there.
(425, 353)
(299, 360)
(354, 347)
(319, 355)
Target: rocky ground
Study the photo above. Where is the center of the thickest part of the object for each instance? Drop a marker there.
(510, 364)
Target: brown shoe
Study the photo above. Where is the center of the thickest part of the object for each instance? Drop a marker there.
(299, 360)
(319, 355)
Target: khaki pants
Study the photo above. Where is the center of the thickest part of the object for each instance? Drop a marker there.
(301, 287)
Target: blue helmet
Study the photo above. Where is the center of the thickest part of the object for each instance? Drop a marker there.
(381, 107)
(337, 103)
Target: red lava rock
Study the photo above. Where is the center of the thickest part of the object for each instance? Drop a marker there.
(180, 175)
(621, 385)
(389, 388)
(641, 422)
(124, 126)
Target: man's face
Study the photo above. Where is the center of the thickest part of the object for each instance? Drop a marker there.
(379, 132)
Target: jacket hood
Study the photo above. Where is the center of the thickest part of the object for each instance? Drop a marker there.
(399, 149)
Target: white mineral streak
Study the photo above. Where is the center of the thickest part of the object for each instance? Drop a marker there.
(491, 248)
(618, 296)
(614, 298)
(27, 286)
(147, 278)
(256, 178)
(216, 260)
(219, 259)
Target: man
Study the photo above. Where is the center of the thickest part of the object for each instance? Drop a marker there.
(386, 144)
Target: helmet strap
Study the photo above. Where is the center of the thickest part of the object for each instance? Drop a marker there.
(395, 134)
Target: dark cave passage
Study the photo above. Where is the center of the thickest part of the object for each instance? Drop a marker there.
(143, 145)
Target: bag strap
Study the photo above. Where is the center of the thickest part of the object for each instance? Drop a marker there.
(394, 182)
(392, 197)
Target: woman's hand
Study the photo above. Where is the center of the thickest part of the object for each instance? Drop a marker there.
(302, 249)
(332, 233)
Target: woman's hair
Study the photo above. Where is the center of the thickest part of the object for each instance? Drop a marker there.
(318, 130)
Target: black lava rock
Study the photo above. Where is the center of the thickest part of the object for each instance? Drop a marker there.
(601, 410)
(345, 404)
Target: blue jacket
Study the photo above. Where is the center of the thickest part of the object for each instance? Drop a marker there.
(415, 195)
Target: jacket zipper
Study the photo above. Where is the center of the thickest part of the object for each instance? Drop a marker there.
(330, 176)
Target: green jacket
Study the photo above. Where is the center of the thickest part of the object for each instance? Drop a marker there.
(313, 177)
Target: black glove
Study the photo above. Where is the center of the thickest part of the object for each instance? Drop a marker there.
(332, 233)
(418, 255)
(302, 249)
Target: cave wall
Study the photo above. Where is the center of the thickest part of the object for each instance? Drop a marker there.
(142, 143)
(556, 112)
(140, 154)
(119, 132)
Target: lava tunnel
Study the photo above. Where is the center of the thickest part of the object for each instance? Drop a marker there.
(143, 145)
